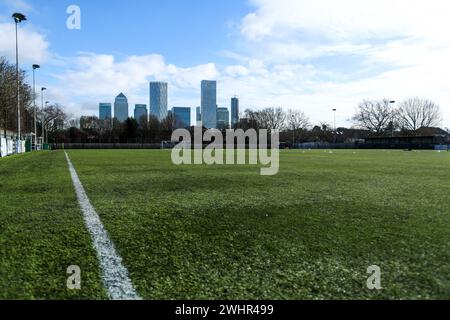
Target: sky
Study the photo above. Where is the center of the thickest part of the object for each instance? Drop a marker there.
(309, 55)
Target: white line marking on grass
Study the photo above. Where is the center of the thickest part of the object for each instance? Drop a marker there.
(115, 275)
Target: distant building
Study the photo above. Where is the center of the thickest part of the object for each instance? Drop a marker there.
(140, 111)
(182, 117)
(198, 116)
(432, 131)
(58, 124)
(406, 142)
(209, 104)
(246, 123)
(89, 123)
(223, 118)
(121, 108)
(158, 100)
(105, 111)
(234, 112)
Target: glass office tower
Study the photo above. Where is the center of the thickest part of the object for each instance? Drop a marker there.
(234, 112)
(105, 111)
(140, 111)
(121, 108)
(223, 118)
(198, 116)
(209, 104)
(158, 100)
(182, 117)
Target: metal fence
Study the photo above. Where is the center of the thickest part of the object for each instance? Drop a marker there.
(59, 146)
(399, 146)
(442, 147)
(310, 145)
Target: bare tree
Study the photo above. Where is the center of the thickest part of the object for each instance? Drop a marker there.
(73, 122)
(374, 115)
(296, 120)
(50, 115)
(275, 118)
(8, 102)
(7, 94)
(268, 118)
(169, 123)
(89, 123)
(416, 113)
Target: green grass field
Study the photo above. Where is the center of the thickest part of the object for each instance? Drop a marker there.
(226, 232)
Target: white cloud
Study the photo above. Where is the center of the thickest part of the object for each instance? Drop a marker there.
(33, 46)
(93, 78)
(396, 48)
(347, 19)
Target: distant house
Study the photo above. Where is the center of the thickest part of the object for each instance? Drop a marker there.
(432, 131)
(425, 138)
(7, 133)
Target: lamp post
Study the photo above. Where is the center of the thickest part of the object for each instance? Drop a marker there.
(392, 103)
(18, 18)
(293, 131)
(335, 129)
(35, 66)
(42, 109)
(46, 128)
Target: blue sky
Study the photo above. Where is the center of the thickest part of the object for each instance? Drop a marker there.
(185, 32)
(297, 54)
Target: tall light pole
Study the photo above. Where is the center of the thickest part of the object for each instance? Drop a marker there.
(18, 18)
(335, 129)
(35, 66)
(293, 131)
(42, 109)
(392, 103)
(46, 128)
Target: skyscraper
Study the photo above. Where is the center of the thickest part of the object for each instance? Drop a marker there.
(158, 100)
(198, 117)
(140, 111)
(104, 111)
(209, 104)
(234, 112)
(121, 108)
(182, 117)
(223, 118)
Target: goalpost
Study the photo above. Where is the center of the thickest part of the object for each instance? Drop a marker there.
(167, 145)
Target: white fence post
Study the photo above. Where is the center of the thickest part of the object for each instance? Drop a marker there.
(9, 147)
(3, 148)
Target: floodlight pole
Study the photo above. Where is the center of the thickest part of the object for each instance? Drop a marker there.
(392, 103)
(18, 17)
(335, 129)
(293, 131)
(46, 129)
(35, 66)
(42, 109)
(18, 84)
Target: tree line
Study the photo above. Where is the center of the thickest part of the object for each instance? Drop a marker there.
(372, 118)
(381, 117)
(50, 118)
